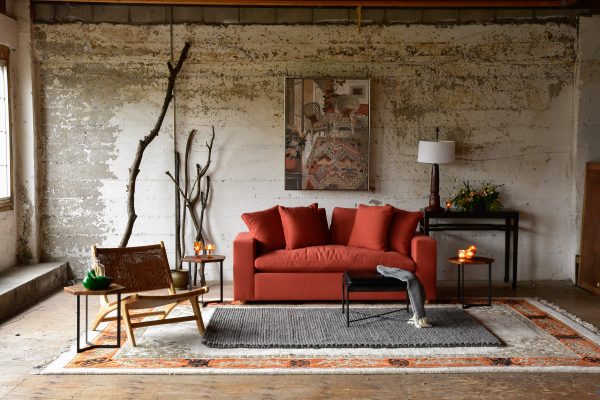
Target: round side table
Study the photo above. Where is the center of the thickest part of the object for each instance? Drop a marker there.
(461, 262)
(203, 260)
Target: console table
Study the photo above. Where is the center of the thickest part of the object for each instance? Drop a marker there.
(475, 221)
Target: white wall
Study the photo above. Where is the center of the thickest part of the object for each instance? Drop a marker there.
(503, 92)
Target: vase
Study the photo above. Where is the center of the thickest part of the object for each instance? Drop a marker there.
(292, 164)
(180, 278)
(479, 207)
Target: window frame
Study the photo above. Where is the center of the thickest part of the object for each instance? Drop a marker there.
(7, 203)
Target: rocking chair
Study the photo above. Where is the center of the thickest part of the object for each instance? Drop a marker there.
(141, 269)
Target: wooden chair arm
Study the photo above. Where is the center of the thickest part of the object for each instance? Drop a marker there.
(137, 301)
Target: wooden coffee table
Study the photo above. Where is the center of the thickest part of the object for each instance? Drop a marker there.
(462, 262)
(359, 281)
(78, 290)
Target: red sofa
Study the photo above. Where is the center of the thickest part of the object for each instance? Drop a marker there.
(315, 272)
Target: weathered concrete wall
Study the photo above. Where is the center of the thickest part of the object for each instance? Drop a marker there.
(503, 92)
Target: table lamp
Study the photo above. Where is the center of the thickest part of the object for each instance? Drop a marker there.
(438, 152)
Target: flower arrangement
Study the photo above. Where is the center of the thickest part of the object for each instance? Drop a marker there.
(470, 198)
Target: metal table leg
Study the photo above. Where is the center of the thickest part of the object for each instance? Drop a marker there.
(221, 275)
(515, 250)
(490, 284)
(507, 248)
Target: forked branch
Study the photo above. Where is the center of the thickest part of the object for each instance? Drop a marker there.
(134, 170)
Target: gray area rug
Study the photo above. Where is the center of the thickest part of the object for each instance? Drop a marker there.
(300, 327)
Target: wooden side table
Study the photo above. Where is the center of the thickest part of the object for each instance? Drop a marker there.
(78, 290)
(202, 260)
(461, 262)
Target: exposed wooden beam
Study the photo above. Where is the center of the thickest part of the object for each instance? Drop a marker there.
(340, 3)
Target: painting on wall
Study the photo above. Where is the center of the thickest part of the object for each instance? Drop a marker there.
(327, 134)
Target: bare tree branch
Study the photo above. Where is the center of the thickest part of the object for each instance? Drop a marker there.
(135, 166)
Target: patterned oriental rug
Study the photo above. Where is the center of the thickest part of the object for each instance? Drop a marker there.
(535, 337)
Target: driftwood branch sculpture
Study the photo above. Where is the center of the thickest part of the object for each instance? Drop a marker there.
(192, 194)
(135, 166)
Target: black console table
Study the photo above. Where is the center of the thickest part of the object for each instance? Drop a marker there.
(510, 226)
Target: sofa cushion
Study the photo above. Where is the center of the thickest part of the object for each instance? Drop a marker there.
(404, 224)
(342, 221)
(265, 226)
(371, 227)
(330, 258)
(304, 226)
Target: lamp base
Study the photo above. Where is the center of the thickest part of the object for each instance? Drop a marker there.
(434, 195)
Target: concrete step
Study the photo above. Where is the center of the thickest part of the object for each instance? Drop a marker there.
(24, 285)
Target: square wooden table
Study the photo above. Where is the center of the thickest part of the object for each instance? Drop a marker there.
(78, 290)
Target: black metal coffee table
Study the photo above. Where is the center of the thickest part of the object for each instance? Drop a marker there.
(359, 281)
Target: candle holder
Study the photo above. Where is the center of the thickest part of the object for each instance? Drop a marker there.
(448, 205)
(210, 248)
(198, 248)
(462, 254)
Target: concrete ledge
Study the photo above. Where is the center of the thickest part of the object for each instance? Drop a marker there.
(24, 285)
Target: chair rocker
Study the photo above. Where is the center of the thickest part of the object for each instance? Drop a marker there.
(141, 269)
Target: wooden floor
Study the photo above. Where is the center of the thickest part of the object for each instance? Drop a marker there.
(38, 335)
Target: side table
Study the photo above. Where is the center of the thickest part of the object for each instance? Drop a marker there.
(202, 260)
(78, 290)
(452, 220)
(461, 262)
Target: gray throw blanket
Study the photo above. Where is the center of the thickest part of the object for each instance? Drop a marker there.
(415, 290)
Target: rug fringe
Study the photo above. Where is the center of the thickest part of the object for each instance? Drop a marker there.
(575, 318)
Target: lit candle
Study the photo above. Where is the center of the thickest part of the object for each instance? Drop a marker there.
(461, 253)
(197, 247)
(209, 247)
(469, 254)
(448, 204)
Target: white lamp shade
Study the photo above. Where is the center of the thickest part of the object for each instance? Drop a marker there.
(441, 152)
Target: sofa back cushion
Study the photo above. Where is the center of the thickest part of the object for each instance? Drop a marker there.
(371, 227)
(304, 226)
(342, 221)
(404, 224)
(265, 226)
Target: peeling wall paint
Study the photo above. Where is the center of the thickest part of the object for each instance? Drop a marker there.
(503, 92)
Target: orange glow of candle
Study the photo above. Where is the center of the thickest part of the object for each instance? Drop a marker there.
(469, 254)
(197, 247)
(209, 247)
(448, 204)
(462, 253)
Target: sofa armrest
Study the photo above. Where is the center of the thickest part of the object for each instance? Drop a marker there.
(244, 253)
(423, 250)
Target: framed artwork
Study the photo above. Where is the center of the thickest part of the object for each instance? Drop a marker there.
(327, 134)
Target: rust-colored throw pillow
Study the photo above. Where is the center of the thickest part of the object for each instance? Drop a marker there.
(342, 221)
(371, 227)
(304, 226)
(404, 224)
(265, 226)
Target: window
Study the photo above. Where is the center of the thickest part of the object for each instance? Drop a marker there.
(5, 150)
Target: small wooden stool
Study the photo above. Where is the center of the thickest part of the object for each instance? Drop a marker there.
(461, 262)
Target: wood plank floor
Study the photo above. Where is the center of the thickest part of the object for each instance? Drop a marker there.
(38, 335)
